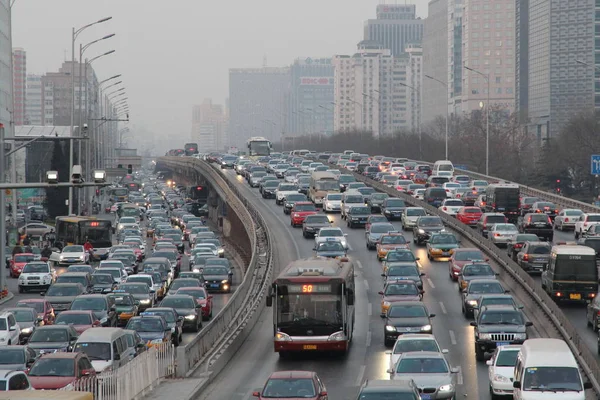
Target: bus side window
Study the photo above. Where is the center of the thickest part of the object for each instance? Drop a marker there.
(350, 295)
(270, 297)
(552, 266)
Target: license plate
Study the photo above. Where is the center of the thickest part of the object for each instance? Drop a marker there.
(502, 343)
(446, 253)
(575, 296)
(309, 347)
(540, 261)
(500, 209)
(425, 396)
(214, 285)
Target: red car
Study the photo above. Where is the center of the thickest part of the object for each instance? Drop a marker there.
(469, 215)
(461, 257)
(57, 370)
(202, 297)
(82, 320)
(42, 307)
(18, 262)
(301, 210)
(293, 384)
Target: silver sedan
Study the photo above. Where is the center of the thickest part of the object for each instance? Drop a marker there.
(500, 234)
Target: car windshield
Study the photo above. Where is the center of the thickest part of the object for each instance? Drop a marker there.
(102, 279)
(470, 210)
(547, 378)
(289, 388)
(393, 239)
(20, 258)
(468, 256)
(38, 306)
(146, 325)
(407, 346)
(166, 254)
(485, 287)
(394, 256)
(382, 228)
(360, 210)
(573, 213)
(395, 203)
(12, 356)
(407, 311)
(507, 358)
(23, 314)
(286, 188)
(477, 270)
(402, 270)
(94, 351)
(305, 207)
(494, 219)
(453, 203)
(49, 335)
(526, 238)
(60, 290)
(73, 249)
(197, 293)
(169, 316)
(75, 319)
(180, 283)
(430, 221)
(215, 271)
(138, 288)
(399, 289)
(53, 367)
(178, 302)
(501, 318)
(373, 219)
(36, 268)
(415, 212)
(331, 233)
(291, 198)
(317, 219)
(422, 365)
(329, 246)
(122, 300)
(443, 239)
(89, 303)
(506, 227)
(334, 197)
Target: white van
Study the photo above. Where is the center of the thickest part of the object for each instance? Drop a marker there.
(444, 166)
(546, 369)
(106, 347)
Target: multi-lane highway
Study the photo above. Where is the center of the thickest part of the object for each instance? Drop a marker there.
(367, 358)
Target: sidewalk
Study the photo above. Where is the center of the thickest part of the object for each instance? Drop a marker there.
(180, 389)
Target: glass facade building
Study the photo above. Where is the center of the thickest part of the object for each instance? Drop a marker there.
(395, 27)
(6, 105)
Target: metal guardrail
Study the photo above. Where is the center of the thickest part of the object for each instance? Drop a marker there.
(207, 347)
(538, 297)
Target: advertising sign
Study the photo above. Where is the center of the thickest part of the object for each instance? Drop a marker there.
(316, 81)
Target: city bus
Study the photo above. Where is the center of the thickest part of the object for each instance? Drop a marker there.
(134, 186)
(75, 230)
(313, 306)
(118, 194)
(259, 146)
(321, 184)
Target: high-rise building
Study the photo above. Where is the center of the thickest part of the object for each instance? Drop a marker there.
(435, 60)
(395, 26)
(6, 103)
(256, 103)
(209, 126)
(34, 100)
(557, 62)
(414, 85)
(368, 90)
(310, 97)
(19, 85)
(455, 55)
(488, 47)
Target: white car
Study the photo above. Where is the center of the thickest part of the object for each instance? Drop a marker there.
(401, 185)
(410, 342)
(410, 216)
(352, 198)
(501, 370)
(74, 254)
(584, 221)
(328, 234)
(313, 166)
(450, 187)
(478, 185)
(500, 234)
(283, 190)
(332, 202)
(36, 275)
(463, 180)
(451, 206)
(12, 380)
(208, 247)
(419, 194)
(567, 218)
(9, 329)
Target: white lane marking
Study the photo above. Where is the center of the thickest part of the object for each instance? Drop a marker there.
(367, 284)
(361, 374)
(370, 309)
(459, 376)
(430, 283)
(443, 307)
(368, 338)
(452, 338)
(359, 264)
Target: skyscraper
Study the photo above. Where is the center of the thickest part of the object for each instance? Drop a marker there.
(6, 104)
(414, 84)
(209, 126)
(455, 55)
(33, 101)
(19, 85)
(435, 60)
(395, 26)
(552, 85)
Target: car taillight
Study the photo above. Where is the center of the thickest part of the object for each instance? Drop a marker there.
(526, 257)
(556, 211)
(430, 199)
(518, 245)
(445, 208)
(447, 190)
(497, 234)
(567, 219)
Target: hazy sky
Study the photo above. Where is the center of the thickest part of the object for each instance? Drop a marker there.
(175, 53)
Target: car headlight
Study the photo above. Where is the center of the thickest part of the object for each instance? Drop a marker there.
(485, 336)
(221, 251)
(472, 303)
(447, 388)
(500, 378)
(104, 320)
(190, 317)
(62, 257)
(337, 337)
(520, 336)
(426, 328)
(156, 341)
(120, 226)
(282, 337)
(390, 328)
(421, 232)
(173, 329)
(224, 281)
(145, 301)
(386, 304)
(27, 330)
(82, 258)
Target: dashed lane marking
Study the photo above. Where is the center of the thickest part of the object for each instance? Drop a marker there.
(452, 338)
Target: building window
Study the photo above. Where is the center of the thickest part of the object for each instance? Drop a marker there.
(509, 90)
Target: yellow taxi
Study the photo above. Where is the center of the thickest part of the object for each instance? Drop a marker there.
(389, 242)
(441, 245)
(476, 270)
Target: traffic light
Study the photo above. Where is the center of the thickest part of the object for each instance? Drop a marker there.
(558, 186)
(97, 192)
(129, 168)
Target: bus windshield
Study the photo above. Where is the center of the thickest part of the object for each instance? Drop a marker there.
(309, 310)
(261, 148)
(327, 185)
(120, 192)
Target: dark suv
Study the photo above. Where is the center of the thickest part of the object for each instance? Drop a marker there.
(357, 216)
(534, 256)
(539, 224)
(425, 226)
(498, 325)
(487, 220)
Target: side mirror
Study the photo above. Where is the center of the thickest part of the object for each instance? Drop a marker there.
(179, 318)
(142, 345)
(431, 315)
(323, 394)
(380, 292)
(517, 385)
(528, 323)
(117, 357)
(507, 291)
(454, 370)
(383, 275)
(12, 328)
(390, 371)
(422, 292)
(445, 351)
(43, 293)
(588, 385)
(210, 296)
(113, 309)
(86, 372)
(460, 274)
(489, 362)
(473, 323)
(417, 258)
(388, 352)
(256, 394)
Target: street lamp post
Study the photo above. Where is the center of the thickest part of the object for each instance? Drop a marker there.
(487, 118)
(445, 84)
(98, 155)
(74, 35)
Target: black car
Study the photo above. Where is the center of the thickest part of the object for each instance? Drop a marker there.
(313, 223)
(538, 224)
(292, 199)
(53, 338)
(268, 189)
(344, 180)
(545, 207)
(141, 292)
(425, 226)
(101, 305)
(393, 208)
(357, 216)
(174, 321)
(534, 256)
(218, 278)
(495, 299)
(103, 283)
(513, 247)
(477, 288)
(406, 317)
(404, 271)
(498, 325)
(185, 306)
(376, 201)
